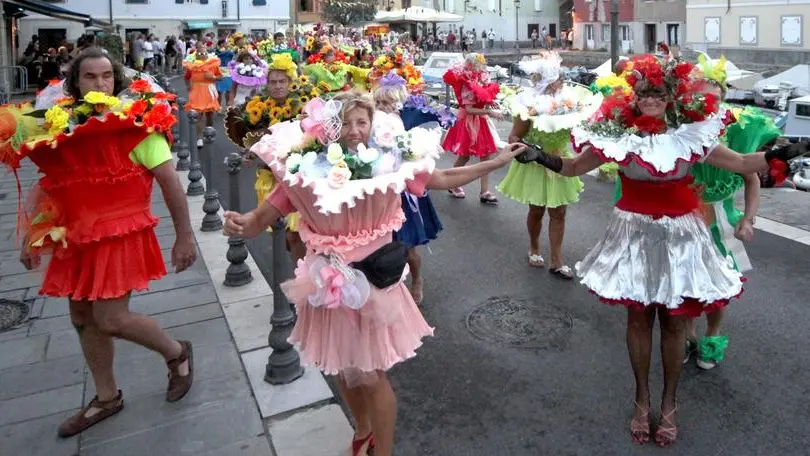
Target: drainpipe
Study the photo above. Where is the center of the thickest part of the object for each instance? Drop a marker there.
(239, 10)
(111, 11)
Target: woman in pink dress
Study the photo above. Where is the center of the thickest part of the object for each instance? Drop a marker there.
(473, 135)
(356, 318)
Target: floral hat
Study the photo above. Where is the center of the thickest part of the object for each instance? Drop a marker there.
(713, 70)
(284, 62)
(545, 66)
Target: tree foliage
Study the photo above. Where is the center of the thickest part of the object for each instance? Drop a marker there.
(113, 44)
(349, 12)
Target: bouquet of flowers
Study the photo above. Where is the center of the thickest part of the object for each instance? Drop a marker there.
(401, 61)
(253, 70)
(427, 105)
(268, 47)
(249, 74)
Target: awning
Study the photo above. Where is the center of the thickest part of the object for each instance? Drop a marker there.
(227, 23)
(49, 9)
(416, 14)
(199, 25)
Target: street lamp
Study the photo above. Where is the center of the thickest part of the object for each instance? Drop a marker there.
(517, 41)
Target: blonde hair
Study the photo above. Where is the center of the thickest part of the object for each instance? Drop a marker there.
(355, 100)
(476, 61)
(386, 98)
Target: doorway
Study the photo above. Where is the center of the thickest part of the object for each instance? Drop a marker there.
(672, 34)
(552, 30)
(51, 38)
(650, 38)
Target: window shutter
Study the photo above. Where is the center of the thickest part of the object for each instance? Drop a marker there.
(179, 2)
(203, 2)
(259, 2)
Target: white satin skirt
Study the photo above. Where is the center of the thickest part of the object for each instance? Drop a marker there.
(666, 262)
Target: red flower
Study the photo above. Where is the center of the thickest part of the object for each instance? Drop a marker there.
(778, 170)
(710, 103)
(160, 118)
(650, 125)
(140, 86)
(694, 116)
(165, 96)
(683, 69)
(138, 108)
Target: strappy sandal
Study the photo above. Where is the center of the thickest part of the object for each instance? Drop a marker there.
(640, 427)
(457, 192)
(666, 435)
(488, 198)
(536, 260)
(79, 422)
(563, 272)
(361, 446)
(179, 385)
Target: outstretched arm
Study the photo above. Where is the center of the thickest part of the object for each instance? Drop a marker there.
(444, 179)
(253, 223)
(570, 167)
(725, 158)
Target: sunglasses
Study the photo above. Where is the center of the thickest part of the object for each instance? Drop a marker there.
(654, 95)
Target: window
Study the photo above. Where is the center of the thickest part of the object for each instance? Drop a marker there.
(624, 33)
(259, 2)
(711, 30)
(538, 5)
(748, 30)
(791, 30)
(672, 34)
(306, 6)
(137, 1)
(606, 33)
(589, 32)
(802, 110)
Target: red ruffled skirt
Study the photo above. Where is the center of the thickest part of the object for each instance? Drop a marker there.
(106, 269)
(470, 136)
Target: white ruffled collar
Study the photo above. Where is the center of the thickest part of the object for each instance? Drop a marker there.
(274, 150)
(521, 104)
(658, 154)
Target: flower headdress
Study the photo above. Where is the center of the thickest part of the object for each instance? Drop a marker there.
(284, 62)
(233, 39)
(713, 70)
(323, 120)
(546, 67)
(392, 79)
(401, 61)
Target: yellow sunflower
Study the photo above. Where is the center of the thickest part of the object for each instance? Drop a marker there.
(323, 85)
(315, 93)
(288, 102)
(303, 98)
(303, 79)
(294, 87)
(255, 115)
(286, 112)
(275, 113)
(270, 103)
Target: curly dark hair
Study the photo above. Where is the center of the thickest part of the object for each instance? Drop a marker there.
(71, 86)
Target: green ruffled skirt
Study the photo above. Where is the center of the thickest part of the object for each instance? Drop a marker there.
(533, 184)
(530, 183)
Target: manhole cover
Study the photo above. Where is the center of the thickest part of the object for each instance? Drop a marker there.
(520, 323)
(12, 313)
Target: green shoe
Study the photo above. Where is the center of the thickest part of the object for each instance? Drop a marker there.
(712, 350)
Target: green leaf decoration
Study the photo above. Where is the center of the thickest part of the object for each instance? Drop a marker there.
(38, 114)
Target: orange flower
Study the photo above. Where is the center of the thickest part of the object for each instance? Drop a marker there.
(138, 108)
(165, 96)
(160, 118)
(140, 86)
(65, 101)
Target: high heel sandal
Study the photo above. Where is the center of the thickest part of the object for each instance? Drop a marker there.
(361, 446)
(666, 435)
(640, 427)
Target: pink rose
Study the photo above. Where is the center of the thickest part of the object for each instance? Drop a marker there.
(385, 137)
(339, 175)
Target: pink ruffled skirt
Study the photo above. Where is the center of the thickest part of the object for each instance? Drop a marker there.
(386, 330)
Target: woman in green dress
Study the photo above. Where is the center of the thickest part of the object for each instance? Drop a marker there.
(543, 116)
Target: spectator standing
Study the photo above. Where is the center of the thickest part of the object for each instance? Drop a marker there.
(170, 52)
(157, 48)
(148, 54)
(137, 52)
(483, 39)
(491, 38)
(451, 41)
(534, 38)
(570, 38)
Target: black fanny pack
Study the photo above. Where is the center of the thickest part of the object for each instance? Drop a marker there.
(384, 266)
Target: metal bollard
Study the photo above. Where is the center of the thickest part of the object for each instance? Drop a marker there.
(447, 95)
(212, 220)
(182, 139)
(195, 187)
(238, 272)
(283, 364)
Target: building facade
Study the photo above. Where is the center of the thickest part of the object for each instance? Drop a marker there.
(162, 18)
(592, 26)
(308, 11)
(660, 21)
(763, 31)
(509, 19)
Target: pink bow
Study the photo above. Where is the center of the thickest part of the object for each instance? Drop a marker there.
(333, 282)
(312, 123)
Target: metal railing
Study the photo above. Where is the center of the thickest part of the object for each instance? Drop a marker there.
(13, 81)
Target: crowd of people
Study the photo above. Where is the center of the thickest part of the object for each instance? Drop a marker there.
(345, 145)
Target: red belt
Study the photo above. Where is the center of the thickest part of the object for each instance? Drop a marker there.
(658, 199)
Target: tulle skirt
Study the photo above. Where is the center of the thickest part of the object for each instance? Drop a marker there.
(530, 183)
(355, 343)
(203, 97)
(471, 137)
(105, 269)
(422, 223)
(669, 262)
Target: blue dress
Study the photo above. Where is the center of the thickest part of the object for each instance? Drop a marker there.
(224, 85)
(422, 223)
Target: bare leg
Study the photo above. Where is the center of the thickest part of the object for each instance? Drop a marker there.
(415, 265)
(460, 161)
(713, 322)
(639, 346)
(556, 232)
(98, 350)
(534, 223)
(691, 328)
(673, 340)
(484, 179)
(209, 119)
(114, 319)
(355, 399)
(383, 407)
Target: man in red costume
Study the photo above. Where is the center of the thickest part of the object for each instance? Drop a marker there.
(103, 195)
